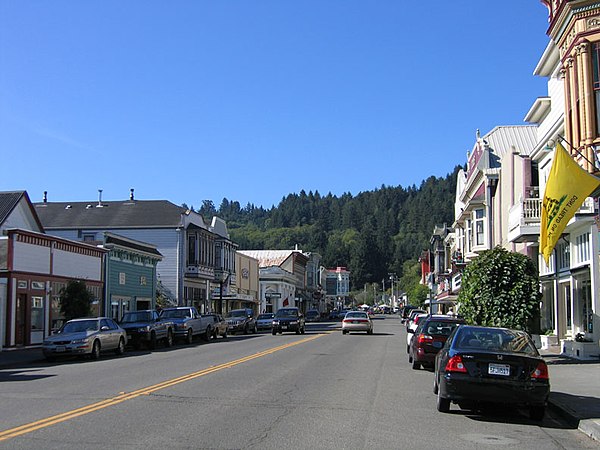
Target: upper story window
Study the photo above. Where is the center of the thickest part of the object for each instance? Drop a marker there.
(192, 255)
(563, 256)
(596, 80)
(479, 226)
(582, 248)
(469, 235)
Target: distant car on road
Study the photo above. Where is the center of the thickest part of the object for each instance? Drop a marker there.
(288, 319)
(312, 315)
(146, 327)
(357, 321)
(429, 337)
(86, 336)
(496, 365)
(242, 321)
(219, 326)
(264, 321)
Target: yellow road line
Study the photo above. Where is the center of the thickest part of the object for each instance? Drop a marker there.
(63, 417)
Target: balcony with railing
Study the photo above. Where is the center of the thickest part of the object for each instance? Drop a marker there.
(524, 218)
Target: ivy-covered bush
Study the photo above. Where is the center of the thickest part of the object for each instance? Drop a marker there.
(501, 289)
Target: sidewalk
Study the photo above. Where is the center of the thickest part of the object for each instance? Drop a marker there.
(575, 391)
(575, 385)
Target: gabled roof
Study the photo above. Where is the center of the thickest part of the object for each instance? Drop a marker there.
(268, 258)
(106, 215)
(9, 201)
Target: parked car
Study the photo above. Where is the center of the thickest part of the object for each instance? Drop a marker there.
(486, 364)
(219, 326)
(265, 321)
(146, 327)
(86, 336)
(333, 314)
(429, 337)
(411, 328)
(188, 323)
(312, 315)
(412, 315)
(242, 321)
(405, 312)
(288, 319)
(357, 321)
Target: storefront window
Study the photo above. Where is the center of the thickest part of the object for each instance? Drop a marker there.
(585, 315)
(547, 309)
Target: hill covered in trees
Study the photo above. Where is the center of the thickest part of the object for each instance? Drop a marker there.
(373, 233)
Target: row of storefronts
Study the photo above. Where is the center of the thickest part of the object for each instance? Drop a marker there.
(499, 195)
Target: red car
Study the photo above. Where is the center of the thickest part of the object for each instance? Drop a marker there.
(429, 337)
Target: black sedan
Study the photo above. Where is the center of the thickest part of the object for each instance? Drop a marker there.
(288, 319)
(491, 365)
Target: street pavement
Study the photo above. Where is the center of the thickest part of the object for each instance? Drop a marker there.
(575, 387)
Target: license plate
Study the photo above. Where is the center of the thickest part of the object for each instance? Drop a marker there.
(355, 321)
(60, 349)
(284, 327)
(499, 369)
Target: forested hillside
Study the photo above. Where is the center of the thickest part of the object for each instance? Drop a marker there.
(372, 233)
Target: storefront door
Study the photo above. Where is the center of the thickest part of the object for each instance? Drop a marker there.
(21, 330)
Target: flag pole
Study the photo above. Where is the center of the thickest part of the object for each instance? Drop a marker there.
(581, 154)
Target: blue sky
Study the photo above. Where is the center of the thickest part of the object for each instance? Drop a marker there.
(252, 100)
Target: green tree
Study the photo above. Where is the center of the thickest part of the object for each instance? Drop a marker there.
(75, 300)
(501, 289)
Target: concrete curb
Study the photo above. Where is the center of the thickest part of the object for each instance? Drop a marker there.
(590, 427)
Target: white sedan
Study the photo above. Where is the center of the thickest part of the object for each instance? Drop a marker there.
(357, 321)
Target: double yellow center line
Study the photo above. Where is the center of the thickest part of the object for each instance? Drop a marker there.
(59, 418)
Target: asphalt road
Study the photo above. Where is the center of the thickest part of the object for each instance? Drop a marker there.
(321, 390)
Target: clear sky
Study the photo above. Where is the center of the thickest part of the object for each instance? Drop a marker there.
(252, 100)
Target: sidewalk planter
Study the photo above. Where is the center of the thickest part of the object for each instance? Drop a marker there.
(549, 341)
(580, 350)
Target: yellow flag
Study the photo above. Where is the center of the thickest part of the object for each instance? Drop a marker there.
(567, 187)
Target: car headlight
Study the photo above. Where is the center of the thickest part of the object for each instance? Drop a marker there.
(181, 326)
(276, 322)
(79, 341)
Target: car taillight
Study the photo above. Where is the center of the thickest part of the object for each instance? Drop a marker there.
(423, 338)
(455, 364)
(540, 372)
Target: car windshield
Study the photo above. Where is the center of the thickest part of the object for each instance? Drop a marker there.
(439, 328)
(176, 313)
(79, 326)
(138, 316)
(265, 316)
(287, 313)
(498, 340)
(357, 314)
(237, 313)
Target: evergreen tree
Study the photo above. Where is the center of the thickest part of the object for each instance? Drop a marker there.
(75, 300)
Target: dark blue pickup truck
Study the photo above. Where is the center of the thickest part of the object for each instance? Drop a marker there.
(146, 327)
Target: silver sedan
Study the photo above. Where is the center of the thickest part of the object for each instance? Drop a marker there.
(88, 336)
(357, 321)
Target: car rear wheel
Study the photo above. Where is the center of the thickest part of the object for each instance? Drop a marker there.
(189, 337)
(443, 404)
(169, 340)
(95, 350)
(537, 412)
(121, 347)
